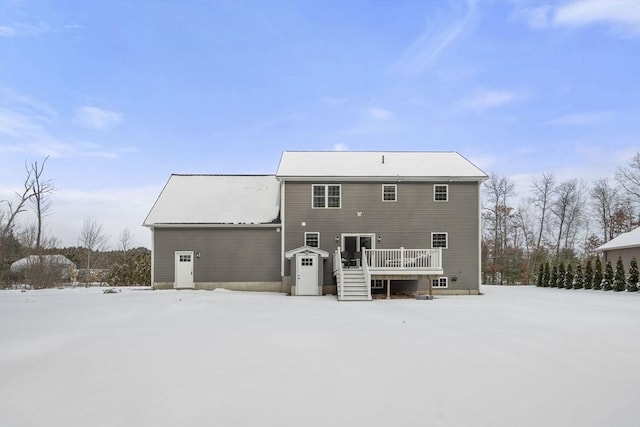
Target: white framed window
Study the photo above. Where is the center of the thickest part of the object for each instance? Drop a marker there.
(440, 282)
(312, 239)
(389, 192)
(377, 284)
(185, 258)
(306, 262)
(440, 240)
(326, 196)
(440, 192)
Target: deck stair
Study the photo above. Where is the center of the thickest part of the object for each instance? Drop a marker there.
(354, 285)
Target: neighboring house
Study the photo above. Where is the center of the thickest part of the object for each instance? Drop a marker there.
(59, 262)
(625, 246)
(345, 223)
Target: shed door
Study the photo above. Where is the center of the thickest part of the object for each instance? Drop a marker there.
(306, 274)
(184, 270)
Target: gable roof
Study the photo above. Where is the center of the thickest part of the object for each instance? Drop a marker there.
(427, 165)
(623, 241)
(217, 199)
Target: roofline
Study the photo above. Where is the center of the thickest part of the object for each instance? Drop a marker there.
(210, 225)
(614, 248)
(222, 174)
(318, 178)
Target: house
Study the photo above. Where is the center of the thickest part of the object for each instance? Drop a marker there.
(347, 223)
(625, 246)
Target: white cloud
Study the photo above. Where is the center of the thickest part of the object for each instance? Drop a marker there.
(97, 118)
(489, 99)
(23, 30)
(438, 35)
(623, 16)
(581, 119)
(378, 113)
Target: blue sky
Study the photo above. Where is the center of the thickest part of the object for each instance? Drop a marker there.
(122, 94)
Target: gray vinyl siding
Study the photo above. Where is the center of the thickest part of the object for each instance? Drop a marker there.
(626, 254)
(408, 222)
(226, 254)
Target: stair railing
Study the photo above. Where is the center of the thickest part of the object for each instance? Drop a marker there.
(337, 271)
(367, 273)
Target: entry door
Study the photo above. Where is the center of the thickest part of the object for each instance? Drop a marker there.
(306, 274)
(184, 270)
(355, 242)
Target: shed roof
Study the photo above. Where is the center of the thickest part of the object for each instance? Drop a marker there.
(623, 241)
(59, 260)
(217, 199)
(377, 164)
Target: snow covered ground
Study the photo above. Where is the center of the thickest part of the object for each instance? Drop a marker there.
(514, 357)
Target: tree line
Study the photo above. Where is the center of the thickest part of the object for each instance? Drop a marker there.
(124, 266)
(558, 222)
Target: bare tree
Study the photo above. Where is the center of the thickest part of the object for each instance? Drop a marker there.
(125, 240)
(604, 199)
(543, 191)
(629, 178)
(92, 238)
(41, 191)
(562, 207)
(23, 197)
(498, 190)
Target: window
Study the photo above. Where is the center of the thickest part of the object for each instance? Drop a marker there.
(312, 239)
(185, 258)
(377, 284)
(389, 192)
(306, 262)
(439, 240)
(440, 282)
(326, 196)
(441, 193)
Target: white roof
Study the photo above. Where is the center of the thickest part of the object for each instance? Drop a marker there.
(377, 164)
(625, 240)
(217, 199)
(60, 260)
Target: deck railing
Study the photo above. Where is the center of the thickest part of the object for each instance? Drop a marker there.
(403, 259)
(337, 271)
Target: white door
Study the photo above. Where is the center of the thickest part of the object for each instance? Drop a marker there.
(184, 270)
(307, 274)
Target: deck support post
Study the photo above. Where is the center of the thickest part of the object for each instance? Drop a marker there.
(388, 289)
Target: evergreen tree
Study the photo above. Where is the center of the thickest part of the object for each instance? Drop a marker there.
(540, 275)
(607, 280)
(568, 277)
(561, 273)
(597, 275)
(547, 275)
(553, 281)
(588, 275)
(578, 281)
(619, 280)
(634, 277)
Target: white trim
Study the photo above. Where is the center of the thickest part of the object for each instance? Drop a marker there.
(439, 280)
(153, 258)
(479, 235)
(446, 246)
(326, 196)
(434, 179)
(395, 192)
(434, 192)
(282, 234)
(206, 225)
(311, 232)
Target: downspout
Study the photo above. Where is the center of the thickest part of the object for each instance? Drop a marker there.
(153, 256)
(479, 234)
(282, 225)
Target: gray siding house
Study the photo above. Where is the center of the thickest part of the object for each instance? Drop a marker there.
(625, 246)
(351, 224)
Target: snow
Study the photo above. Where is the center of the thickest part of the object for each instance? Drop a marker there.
(217, 199)
(396, 165)
(60, 260)
(625, 240)
(516, 356)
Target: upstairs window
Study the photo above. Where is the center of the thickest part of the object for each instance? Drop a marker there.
(441, 193)
(439, 240)
(312, 239)
(389, 192)
(326, 196)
